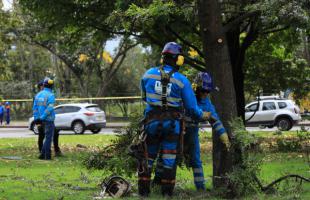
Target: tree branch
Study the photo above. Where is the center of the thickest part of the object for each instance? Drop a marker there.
(266, 32)
(238, 20)
(184, 41)
(193, 63)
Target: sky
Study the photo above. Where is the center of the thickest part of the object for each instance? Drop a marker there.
(7, 4)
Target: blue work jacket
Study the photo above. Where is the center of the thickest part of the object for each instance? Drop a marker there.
(207, 106)
(179, 92)
(43, 105)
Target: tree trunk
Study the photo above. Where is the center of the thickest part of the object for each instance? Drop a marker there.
(218, 64)
(237, 55)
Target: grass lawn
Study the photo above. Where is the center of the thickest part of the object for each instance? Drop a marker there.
(66, 178)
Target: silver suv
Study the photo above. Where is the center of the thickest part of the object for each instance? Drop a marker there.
(76, 117)
(272, 111)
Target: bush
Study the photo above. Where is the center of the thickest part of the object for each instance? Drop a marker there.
(243, 177)
(294, 143)
(288, 145)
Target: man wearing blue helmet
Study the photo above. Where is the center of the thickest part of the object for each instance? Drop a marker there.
(203, 85)
(166, 92)
(43, 113)
(41, 134)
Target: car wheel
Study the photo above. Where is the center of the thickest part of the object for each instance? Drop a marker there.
(284, 124)
(96, 130)
(262, 126)
(78, 127)
(35, 129)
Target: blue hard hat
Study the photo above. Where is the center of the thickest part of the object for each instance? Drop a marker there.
(40, 83)
(172, 48)
(204, 81)
(7, 103)
(48, 82)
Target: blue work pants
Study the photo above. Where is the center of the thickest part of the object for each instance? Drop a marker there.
(162, 137)
(49, 129)
(192, 138)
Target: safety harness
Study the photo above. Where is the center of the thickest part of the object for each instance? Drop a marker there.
(165, 80)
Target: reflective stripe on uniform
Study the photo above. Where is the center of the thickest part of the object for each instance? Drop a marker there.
(168, 167)
(219, 128)
(153, 76)
(199, 179)
(169, 156)
(176, 81)
(168, 181)
(40, 103)
(158, 97)
(157, 77)
(218, 122)
(197, 170)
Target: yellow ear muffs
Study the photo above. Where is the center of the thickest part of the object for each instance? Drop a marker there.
(50, 82)
(180, 60)
(161, 61)
(194, 86)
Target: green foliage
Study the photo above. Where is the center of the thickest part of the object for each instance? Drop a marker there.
(273, 65)
(247, 168)
(294, 143)
(114, 158)
(288, 145)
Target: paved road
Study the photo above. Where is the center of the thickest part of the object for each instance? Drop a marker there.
(24, 132)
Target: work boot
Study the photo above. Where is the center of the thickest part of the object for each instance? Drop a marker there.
(59, 154)
(156, 181)
(42, 157)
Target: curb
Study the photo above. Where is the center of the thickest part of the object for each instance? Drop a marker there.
(121, 126)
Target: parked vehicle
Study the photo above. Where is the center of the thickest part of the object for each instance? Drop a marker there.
(77, 117)
(273, 111)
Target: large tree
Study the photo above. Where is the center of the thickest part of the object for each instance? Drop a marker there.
(67, 31)
(219, 31)
(156, 22)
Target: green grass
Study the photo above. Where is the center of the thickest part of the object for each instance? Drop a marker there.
(66, 178)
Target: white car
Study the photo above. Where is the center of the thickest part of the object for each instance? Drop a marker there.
(273, 111)
(77, 117)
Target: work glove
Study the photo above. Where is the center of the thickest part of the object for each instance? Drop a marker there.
(225, 140)
(206, 116)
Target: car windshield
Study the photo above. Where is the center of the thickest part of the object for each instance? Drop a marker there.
(93, 108)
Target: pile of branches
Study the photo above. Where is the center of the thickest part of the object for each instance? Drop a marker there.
(114, 158)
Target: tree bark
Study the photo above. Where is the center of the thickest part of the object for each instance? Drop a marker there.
(218, 64)
(237, 56)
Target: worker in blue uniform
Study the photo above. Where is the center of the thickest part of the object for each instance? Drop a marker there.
(1, 113)
(7, 113)
(43, 113)
(41, 134)
(166, 92)
(203, 85)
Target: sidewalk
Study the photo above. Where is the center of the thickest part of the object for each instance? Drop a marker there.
(24, 124)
